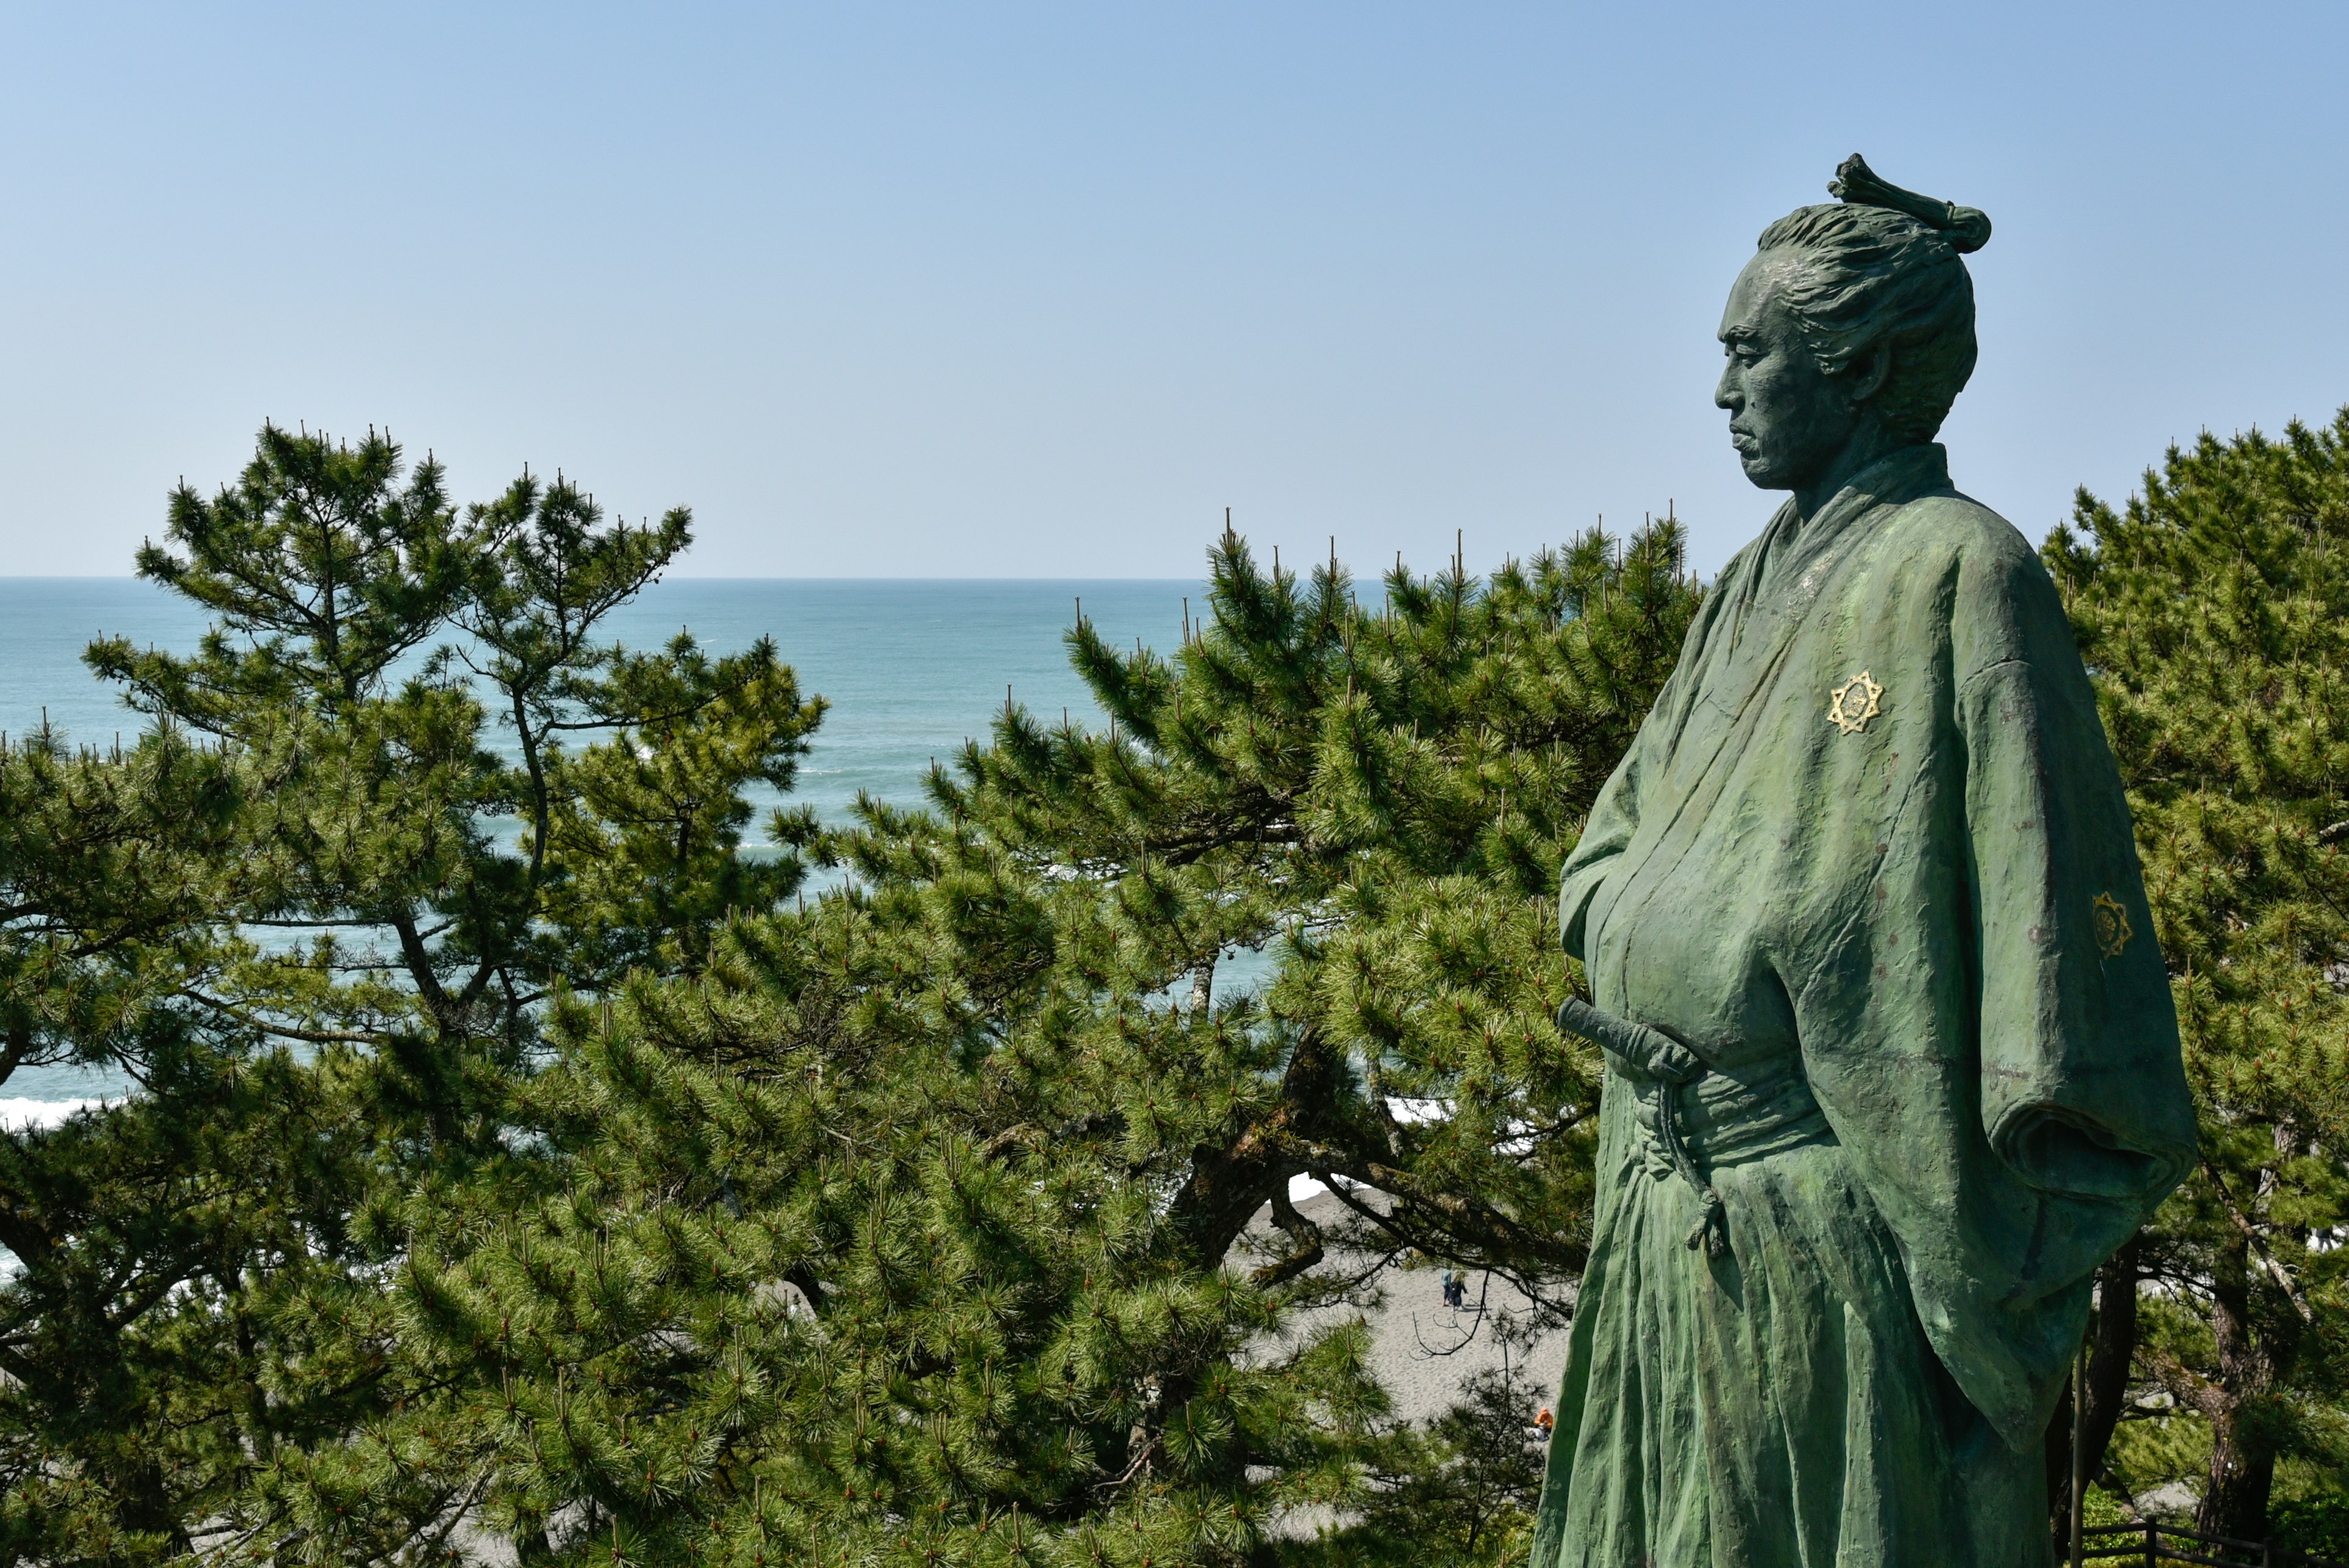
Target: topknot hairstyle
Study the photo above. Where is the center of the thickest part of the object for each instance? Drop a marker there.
(1882, 267)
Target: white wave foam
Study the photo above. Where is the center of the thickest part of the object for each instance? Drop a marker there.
(19, 1114)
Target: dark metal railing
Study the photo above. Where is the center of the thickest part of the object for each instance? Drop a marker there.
(2152, 1543)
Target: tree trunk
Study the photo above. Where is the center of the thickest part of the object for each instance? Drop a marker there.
(2056, 1459)
(1230, 1183)
(2242, 1453)
(2111, 1345)
(143, 1504)
(2111, 1353)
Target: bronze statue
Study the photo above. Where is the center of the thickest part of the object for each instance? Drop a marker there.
(1892, 1060)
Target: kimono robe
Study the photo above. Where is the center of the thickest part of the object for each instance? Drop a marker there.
(1869, 859)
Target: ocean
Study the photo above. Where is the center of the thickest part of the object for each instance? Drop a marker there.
(911, 669)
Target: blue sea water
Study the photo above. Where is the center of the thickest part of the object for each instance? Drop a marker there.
(911, 669)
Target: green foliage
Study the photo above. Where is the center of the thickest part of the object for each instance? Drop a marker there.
(518, 1154)
(2101, 1507)
(156, 1240)
(786, 1309)
(108, 865)
(1461, 1489)
(315, 943)
(1382, 799)
(2313, 1518)
(2154, 1446)
(647, 823)
(2214, 610)
(912, 1226)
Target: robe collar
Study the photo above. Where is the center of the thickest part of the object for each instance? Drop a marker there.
(1795, 550)
(1897, 477)
(1774, 590)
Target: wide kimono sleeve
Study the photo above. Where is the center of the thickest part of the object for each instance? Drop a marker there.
(2083, 1093)
(2083, 1099)
(1990, 1032)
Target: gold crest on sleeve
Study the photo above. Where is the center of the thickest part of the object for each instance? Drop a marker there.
(2111, 924)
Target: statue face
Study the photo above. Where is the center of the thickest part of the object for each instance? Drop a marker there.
(1789, 419)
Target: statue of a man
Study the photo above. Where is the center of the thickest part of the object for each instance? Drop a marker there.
(1892, 1059)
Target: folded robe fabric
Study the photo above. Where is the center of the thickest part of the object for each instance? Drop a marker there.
(1872, 824)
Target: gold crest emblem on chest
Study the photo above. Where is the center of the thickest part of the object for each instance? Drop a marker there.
(1851, 705)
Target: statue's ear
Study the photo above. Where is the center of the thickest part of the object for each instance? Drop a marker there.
(1865, 374)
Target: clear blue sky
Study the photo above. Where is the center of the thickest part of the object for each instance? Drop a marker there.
(1038, 291)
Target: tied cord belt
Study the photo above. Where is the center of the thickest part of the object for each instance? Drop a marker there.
(1650, 1055)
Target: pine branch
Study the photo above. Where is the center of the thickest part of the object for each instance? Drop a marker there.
(2258, 1243)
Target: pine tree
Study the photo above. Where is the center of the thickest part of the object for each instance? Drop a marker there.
(1381, 799)
(914, 1227)
(1461, 1489)
(2213, 611)
(108, 866)
(322, 935)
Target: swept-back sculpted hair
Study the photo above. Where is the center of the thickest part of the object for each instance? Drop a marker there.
(1866, 274)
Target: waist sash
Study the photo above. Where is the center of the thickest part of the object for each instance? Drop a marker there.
(1696, 1119)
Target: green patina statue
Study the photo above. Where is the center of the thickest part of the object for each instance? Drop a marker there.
(1892, 1061)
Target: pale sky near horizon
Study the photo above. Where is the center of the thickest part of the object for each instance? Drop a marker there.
(1023, 290)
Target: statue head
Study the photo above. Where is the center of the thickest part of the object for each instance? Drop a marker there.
(1850, 332)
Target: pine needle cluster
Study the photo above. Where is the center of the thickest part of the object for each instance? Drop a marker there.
(2213, 610)
(915, 1225)
(524, 1162)
(318, 915)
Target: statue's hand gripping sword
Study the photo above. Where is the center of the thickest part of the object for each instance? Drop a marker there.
(1646, 1055)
